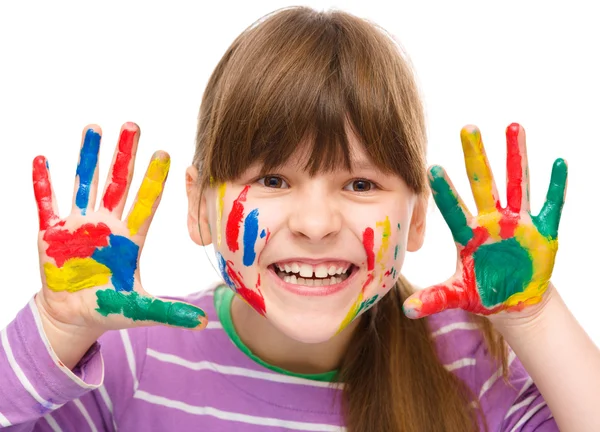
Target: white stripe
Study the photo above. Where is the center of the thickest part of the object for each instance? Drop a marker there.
(231, 416)
(4, 421)
(21, 375)
(526, 386)
(52, 354)
(214, 325)
(455, 326)
(491, 380)
(200, 294)
(520, 405)
(527, 416)
(463, 362)
(85, 414)
(130, 357)
(53, 424)
(239, 371)
(108, 404)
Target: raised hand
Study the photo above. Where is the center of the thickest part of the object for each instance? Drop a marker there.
(505, 255)
(89, 260)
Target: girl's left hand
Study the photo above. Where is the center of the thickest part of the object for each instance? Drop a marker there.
(505, 255)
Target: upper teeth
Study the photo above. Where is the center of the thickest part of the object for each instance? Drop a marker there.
(307, 270)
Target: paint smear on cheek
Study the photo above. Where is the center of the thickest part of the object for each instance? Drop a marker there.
(250, 236)
(220, 203)
(88, 160)
(369, 243)
(232, 230)
(223, 270)
(116, 189)
(253, 298)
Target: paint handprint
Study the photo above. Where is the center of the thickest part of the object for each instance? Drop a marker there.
(89, 260)
(506, 255)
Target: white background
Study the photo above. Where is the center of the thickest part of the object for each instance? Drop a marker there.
(63, 66)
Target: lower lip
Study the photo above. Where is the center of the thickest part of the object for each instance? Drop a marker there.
(315, 291)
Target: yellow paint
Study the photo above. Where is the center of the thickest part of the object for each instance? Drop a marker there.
(543, 252)
(76, 274)
(478, 170)
(385, 244)
(491, 221)
(220, 196)
(413, 303)
(150, 190)
(351, 313)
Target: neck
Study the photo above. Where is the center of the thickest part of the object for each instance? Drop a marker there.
(275, 348)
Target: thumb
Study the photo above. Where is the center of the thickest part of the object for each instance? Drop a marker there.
(432, 300)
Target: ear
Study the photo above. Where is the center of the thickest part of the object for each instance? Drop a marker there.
(416, 231)
(197, 218)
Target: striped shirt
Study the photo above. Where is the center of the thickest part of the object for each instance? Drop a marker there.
(162, 378)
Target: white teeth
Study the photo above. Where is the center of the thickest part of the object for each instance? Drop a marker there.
(331, 271)
(306, 270)
(340, 270)
(287, 268)
(295, 268)
(321, 271)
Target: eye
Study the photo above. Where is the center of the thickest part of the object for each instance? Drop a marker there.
(360, 185)
(273, 182)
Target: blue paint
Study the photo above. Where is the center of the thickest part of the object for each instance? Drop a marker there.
(120, 256)
(88, 160)
(47, 165)
(263, 234)
(250, 236)
(223, 269)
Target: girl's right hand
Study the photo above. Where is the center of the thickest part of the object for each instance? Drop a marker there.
(89, 261)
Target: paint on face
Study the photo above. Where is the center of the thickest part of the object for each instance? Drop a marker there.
(253, 298)
(88, 160)
(223, 270)
(232, 229)
(369, 243)
(43, 192)
(250, 236)
(385, 243)
(120, 174)
(220, 203)
(142, 308)
(263, 233)
(150, 190)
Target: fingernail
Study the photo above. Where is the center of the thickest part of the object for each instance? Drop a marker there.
(412, 308)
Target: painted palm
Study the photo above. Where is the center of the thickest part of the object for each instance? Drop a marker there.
(505, 254)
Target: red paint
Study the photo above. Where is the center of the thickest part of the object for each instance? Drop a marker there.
(387, 273)
(369, 243)
(508, 223)
(514, 169)
(42, 189)
(232, 230)
(258, 282)
(63, 244)
(116, 189)
(480, 235)
(254, 298)
(268, 235)
(367, 282)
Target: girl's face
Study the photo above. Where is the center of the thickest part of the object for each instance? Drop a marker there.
(311, 253)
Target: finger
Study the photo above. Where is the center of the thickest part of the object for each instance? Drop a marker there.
(548, 219)
(44, 194)
(150, 310)
(86, 185)
(451, 206)
(149, 194)
(517, 171)
(121, 170)
(432, 300)
(479, 171)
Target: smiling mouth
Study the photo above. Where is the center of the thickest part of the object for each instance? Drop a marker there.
(308, 275)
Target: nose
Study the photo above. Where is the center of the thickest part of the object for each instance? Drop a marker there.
(316, 215)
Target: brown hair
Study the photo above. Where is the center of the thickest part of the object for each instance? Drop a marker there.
(299, 75)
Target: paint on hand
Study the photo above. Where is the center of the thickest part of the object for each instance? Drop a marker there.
(81, 243)
(88, 161)
(232, 229)
(220, 204)
(143, 308)
(120, 173)
(150, 190)
(250, 236)
(42, 189)
(121, 257)
(548, 219)
(76, 274)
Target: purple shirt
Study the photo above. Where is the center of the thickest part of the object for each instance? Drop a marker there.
(162, 378)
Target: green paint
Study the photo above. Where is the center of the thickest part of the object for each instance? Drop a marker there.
(475, 177)
(394, 273)
(548, 219)
(366, 304)
(396, 251)
(142, 308)
(501, 270)
(449, 206)
(398, 226)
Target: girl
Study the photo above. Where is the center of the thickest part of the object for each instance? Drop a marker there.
(309, 180)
